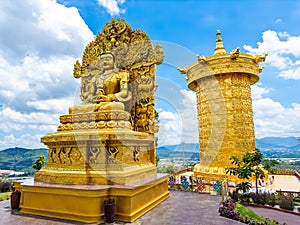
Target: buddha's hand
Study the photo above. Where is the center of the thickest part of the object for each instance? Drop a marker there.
(105, 98)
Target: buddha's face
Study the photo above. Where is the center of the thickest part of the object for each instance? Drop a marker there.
(107, 61)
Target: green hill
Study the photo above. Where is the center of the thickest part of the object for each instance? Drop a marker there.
(20, 159)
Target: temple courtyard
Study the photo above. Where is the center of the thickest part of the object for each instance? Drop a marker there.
(182, 208)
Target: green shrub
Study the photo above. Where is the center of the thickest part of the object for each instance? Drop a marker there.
(235, 196)
(246, 198)
(286, 202)
(261, 198)
(5, 185)
(271, 199)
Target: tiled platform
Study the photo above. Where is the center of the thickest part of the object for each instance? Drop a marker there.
(182, 208)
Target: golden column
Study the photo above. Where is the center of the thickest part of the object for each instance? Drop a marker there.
(225, 117)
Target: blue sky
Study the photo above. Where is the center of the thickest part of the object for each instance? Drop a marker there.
(41, 40)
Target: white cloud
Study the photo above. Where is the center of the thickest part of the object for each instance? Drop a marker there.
(10, 115)
(7, 95)
(291, 73)
(52, 105)
(170, 128)
(43, 28)
(42, 41)
(7, 127)
(283, 34)
(189, 114)
(283, 53)
(167, 115)
(24, 129)
(190, 99)
(25, 141)
(257, 91)
(36, 79)
(112, 6)
(182, 125)
(273, 119)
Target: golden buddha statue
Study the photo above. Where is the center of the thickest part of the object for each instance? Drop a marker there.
(108, 88)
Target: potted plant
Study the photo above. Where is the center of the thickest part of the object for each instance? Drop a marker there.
(109, 210)
(15, 198)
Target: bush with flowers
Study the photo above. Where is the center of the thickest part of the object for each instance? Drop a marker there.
(227, 209)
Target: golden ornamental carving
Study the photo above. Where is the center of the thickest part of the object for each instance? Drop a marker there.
(234, 54)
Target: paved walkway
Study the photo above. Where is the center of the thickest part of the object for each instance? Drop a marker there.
(281, 217)
(182, 208)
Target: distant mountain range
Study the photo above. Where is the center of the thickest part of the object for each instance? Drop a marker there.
(271, 147)
(20, 158)
(275, 147)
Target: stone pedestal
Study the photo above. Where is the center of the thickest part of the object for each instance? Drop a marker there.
(88, 164)
(85, 203)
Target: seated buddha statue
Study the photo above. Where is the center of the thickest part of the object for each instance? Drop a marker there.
(108, 88)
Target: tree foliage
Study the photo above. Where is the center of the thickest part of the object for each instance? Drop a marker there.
(171, 168)
(157, 160)
(249, 166)
(39, 162)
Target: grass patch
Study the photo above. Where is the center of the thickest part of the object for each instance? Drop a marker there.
(5, 196)
(245, 212)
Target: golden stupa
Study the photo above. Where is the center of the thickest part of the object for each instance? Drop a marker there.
(224, 104)
(105, 146)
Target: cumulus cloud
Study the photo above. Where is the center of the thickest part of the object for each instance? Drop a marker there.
(189, 116)
(257, 91)
(25, 140)
(10, 115)
(58, 105)
(113, 7)
(43, 28)
(283, 53)
(170, 127)
(42, 41)
(181, 124)
(36, 79)
(273, 119)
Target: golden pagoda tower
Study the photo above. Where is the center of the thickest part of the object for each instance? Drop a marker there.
(225, 117)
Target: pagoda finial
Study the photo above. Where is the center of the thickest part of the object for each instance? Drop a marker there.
(219, 44)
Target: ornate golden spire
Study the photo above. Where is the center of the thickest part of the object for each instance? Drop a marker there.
(219, 44)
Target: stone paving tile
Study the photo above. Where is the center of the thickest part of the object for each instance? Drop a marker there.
(185, 208)
(182, 208)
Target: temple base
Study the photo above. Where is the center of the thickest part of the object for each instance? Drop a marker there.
(211, 173)
(85, 203)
